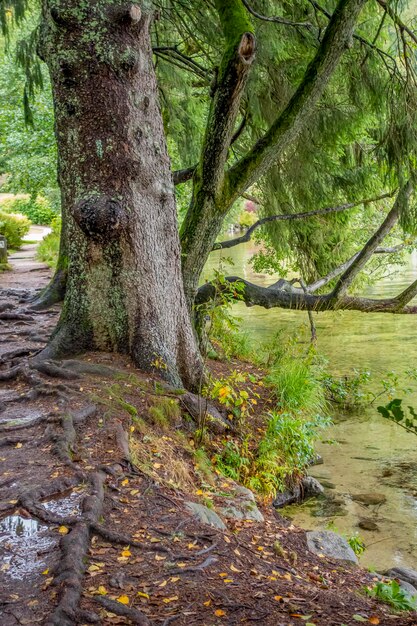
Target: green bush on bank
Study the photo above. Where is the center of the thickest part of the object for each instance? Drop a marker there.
(14, 228)
(38, 210)
(48, 248)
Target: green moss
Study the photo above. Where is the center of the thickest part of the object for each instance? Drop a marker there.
(234, 19)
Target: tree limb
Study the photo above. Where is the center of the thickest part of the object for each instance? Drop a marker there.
(276, 19)
(294, 216)
(294, 117)
(368, 250)
(285, 298)
(182, 176)
(397, 20)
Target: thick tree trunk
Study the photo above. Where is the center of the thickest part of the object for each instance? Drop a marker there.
(124, 288)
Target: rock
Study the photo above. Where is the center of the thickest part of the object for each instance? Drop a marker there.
(368, 524)
(316, 460)
(408, 588)
(205, 515)
(405, 574)
(310, 487)
(369, 499)
(331, 545)
(287, 497)
(243, 506)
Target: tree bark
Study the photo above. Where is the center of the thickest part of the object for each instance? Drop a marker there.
(124, 289)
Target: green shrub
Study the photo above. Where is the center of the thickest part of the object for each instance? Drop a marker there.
(48, 248)
(14, 228)
(392, 594)
(38, 210)
(247, 219)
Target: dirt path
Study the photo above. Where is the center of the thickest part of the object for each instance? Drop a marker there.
(93, 523)
(27, 272)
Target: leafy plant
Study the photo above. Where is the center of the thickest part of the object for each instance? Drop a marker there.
(394, 412)
(38, 209)
(227, 391)
(14, 228)
(48, 249)
(357, 544)
(392, 594)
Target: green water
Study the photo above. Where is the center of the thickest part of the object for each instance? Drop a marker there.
(371, 454)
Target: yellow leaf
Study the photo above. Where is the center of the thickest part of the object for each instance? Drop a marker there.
(141, 594)
(93, 568)
(63, 530)
(207, 603)
(223, 574)
(199, 492)
(227, 540)
(219, 613)
(45, 572)
(227, 580)
(123, 599)
(234, 569)
(287, 576)
(168, 600)
(19, 445)
(157, 465)
(13, 501)
(373, 620)
(159, 558)
(278, 598)
(134, 492)
(174, 579)
(126, 552)
(102, 590)
(124, 483)
(183, 565)
(163, 583)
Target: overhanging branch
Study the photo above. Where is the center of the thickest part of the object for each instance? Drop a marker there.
(287, 298)
(368, 250)
(295, 216)
(276, 19)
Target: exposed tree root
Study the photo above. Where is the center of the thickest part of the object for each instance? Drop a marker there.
(137, 617)
(74, 547)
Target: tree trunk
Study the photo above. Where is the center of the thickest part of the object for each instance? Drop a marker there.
(124, 289)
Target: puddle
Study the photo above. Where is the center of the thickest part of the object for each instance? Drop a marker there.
(23, 544)
(69, 505)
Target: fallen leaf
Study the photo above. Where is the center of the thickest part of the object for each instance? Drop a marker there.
(168, 600)
(359, 618)
(102, 590)
(227, 580)
(174, 579)
(219, 613)
(159, 558)
(123, 599)
(125, 482)
(19, 445)
(207, 603)
(63, 530)
(278, 598)
(234, 569)
(126, 552)
(45, 572)
(141, 594)
(373, 619)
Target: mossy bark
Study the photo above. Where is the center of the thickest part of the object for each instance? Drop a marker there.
(124, 289)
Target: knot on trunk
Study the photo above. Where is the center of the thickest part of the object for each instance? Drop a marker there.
(100, 217)
(247, 47)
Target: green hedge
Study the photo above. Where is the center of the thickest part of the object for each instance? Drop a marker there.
(14, 228)
(39, 211)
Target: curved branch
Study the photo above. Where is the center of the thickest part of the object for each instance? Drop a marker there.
(288, 298)
(368, 250)
(295, 216)
(276, 19)
(182, 176)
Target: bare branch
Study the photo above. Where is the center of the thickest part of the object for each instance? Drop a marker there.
(287, 298)
(368, 250)
(295, 216)
(182, 176)
(276, 19)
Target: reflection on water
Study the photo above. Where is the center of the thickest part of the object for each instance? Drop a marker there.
(23, 542)
(371, 455)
